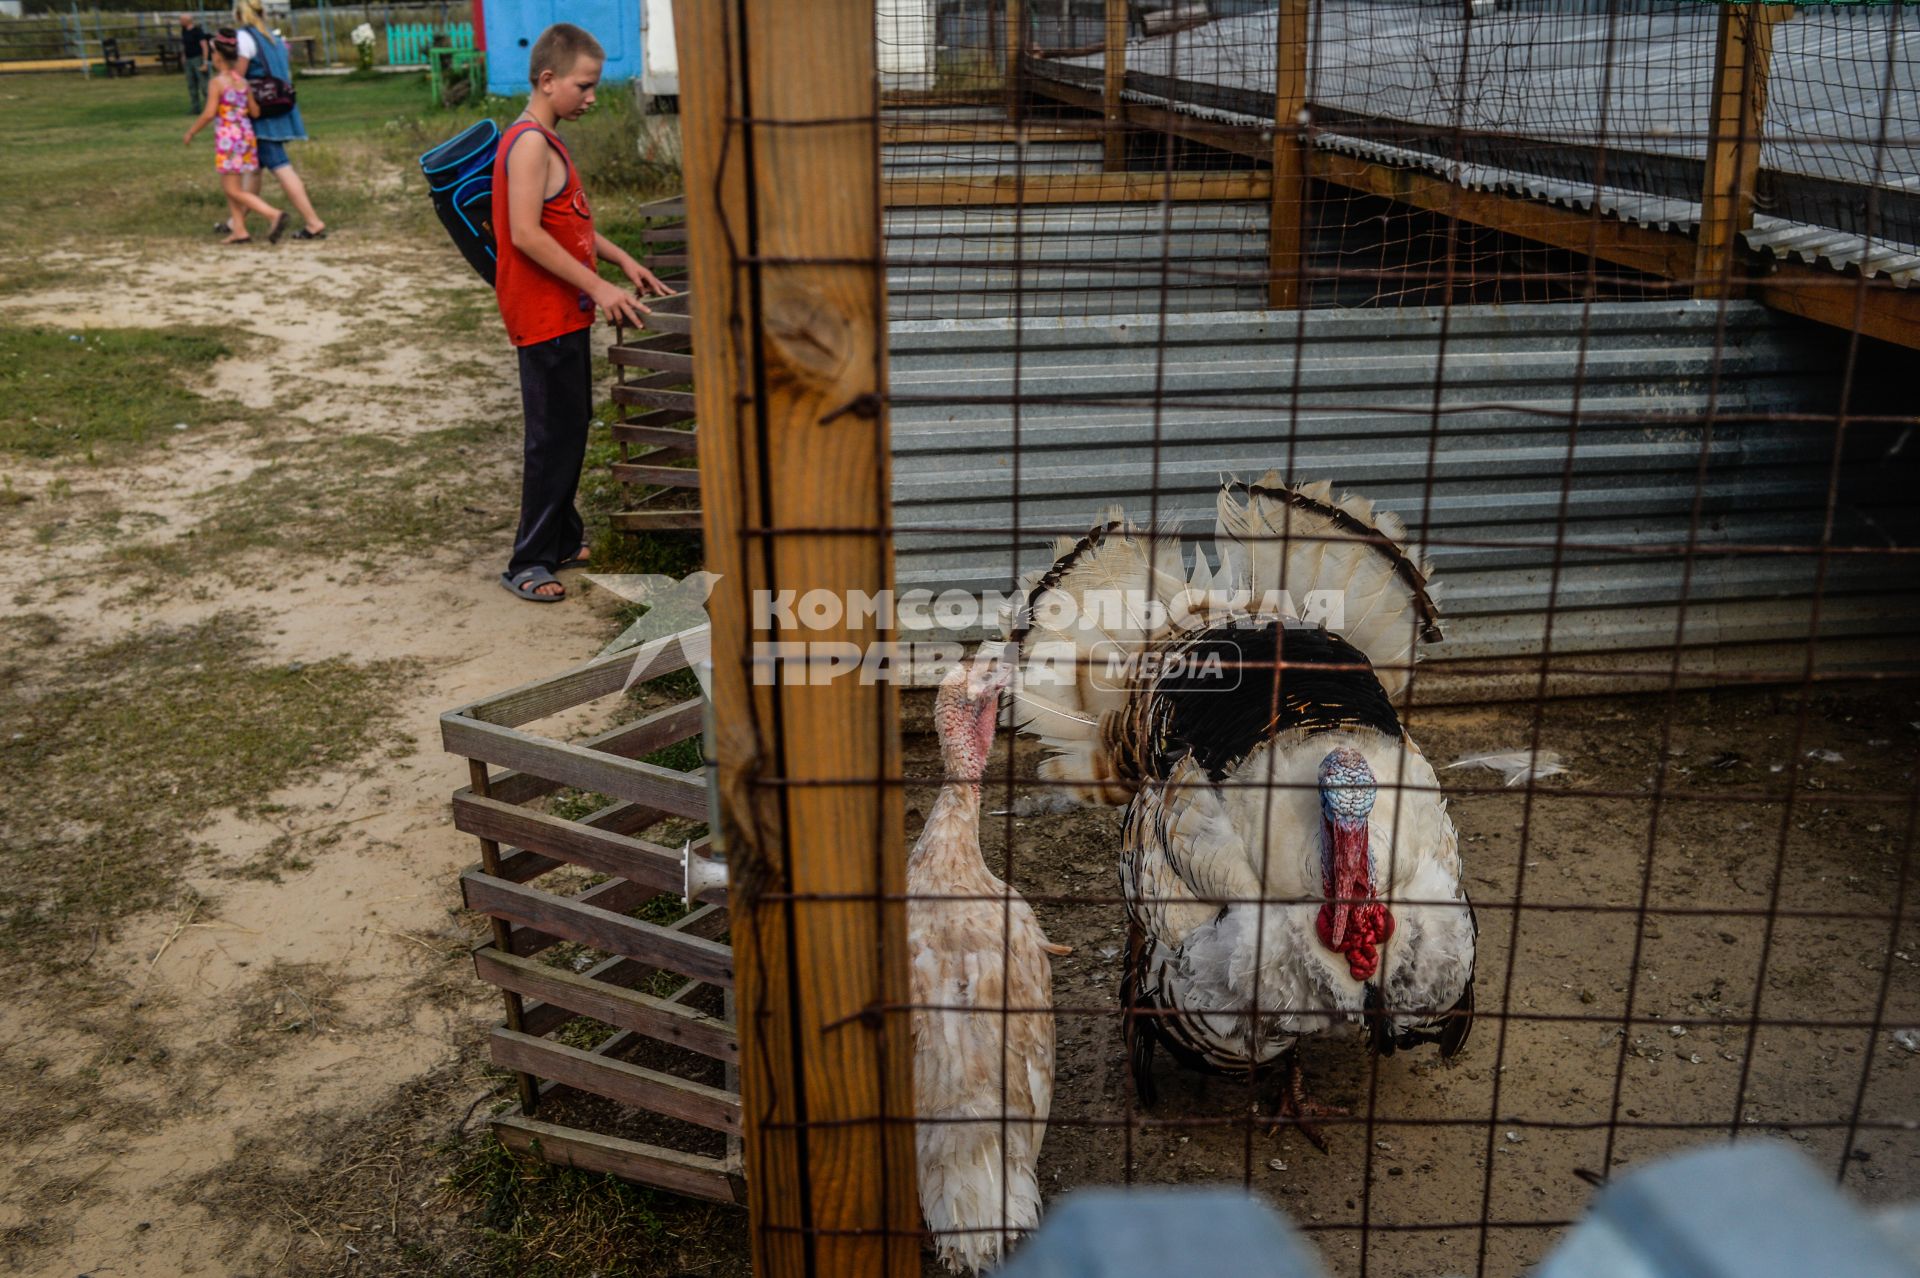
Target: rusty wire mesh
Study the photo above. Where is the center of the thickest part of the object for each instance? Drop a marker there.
(1675, 534)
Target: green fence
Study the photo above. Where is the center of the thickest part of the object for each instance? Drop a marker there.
(408, 42)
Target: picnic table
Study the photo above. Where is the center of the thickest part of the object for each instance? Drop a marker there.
(305, 43)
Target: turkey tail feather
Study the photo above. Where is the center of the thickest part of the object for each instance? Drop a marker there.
(1105, 598)
(1276, 537)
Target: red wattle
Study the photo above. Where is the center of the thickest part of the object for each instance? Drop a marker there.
(1368, 927)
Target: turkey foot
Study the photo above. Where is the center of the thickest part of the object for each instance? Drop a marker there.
(1299, 1109)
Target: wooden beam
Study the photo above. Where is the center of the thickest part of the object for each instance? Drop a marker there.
(926, 132)
(597, 678)
(664, 1020)
(1112, 104)
(657, 520)
(602, 929)
(633, 1085)
(790, 378)
(1077, 188)
(1742, 53)
(603, 851)
(1016, 44)
(1820, 293)
(527, 1086)
(1610, 240)
(1287, 212)
(691, 1174)
(680, 793)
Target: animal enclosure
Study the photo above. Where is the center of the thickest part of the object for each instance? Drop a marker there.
(1599, 313)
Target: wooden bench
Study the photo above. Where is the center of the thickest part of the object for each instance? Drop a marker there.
(167, 52)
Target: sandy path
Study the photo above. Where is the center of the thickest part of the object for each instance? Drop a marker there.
(374, 915)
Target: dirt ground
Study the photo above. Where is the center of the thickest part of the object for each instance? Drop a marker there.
(1412, 1163)
(257, 1013)
(273, 1074)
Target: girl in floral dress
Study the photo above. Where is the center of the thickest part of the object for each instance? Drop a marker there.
(235, 153)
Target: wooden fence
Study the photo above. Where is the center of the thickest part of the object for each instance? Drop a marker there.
(653, 392)
(619, 1029)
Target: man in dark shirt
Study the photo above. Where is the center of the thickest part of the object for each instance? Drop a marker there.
(194, 43)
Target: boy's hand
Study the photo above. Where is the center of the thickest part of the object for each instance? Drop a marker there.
(643, 279)
(618, 305)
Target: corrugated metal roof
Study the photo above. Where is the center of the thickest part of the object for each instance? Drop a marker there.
(1150, 411)
(1843, 99)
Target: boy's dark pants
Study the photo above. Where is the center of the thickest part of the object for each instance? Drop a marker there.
(556, 391)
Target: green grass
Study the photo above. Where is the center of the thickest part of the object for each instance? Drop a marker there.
(64, 393)
(94, 159)
(116, 755)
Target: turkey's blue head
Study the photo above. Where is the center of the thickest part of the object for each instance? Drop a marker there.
(1352, 923)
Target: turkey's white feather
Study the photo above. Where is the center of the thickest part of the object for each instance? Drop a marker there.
(982, 1080)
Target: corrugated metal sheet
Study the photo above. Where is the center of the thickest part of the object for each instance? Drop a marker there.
(1075, 260)
(1782, 238)
(1671, 407)
(1843, 99)
(930, 161)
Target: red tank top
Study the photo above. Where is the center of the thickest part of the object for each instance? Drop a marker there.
(536, 304)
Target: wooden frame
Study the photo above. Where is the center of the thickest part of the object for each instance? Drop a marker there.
(790, 373)
(1287, 215)
(1743, 52)
(654, 422)
(1114, 85)
(1831, 297)
(521, 844)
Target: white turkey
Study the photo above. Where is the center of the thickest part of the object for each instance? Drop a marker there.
(982, 1075)
(1288, 863)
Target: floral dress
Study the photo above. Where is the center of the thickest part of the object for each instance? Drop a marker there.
(234, 148)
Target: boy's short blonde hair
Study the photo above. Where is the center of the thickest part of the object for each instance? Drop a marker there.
(559, 47)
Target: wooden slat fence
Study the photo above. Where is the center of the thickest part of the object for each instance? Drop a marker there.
(619, 1029)
(653, 391)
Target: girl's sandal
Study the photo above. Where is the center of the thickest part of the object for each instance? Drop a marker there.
(245, 239)
(278, 229)
(304, 234)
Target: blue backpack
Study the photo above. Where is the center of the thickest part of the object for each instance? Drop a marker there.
(460, 180)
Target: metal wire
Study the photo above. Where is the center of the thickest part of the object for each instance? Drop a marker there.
(1679, 508)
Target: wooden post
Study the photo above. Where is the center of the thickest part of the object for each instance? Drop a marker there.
(1116, 83)
(524, 1083)
(1287, 211)
(789, 306)
(1016, 45)
(1736, 110)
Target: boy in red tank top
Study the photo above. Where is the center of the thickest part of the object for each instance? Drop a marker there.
(548, 288)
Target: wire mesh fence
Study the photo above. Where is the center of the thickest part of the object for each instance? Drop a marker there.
(1458, 723)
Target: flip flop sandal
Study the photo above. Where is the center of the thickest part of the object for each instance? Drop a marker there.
(579, 560)
(528, 580)
(278, 229)
(304, 234)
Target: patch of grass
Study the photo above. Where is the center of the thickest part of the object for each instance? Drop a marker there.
(60, 136)
(89, 390)
(115, 755)
(555, 1222)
